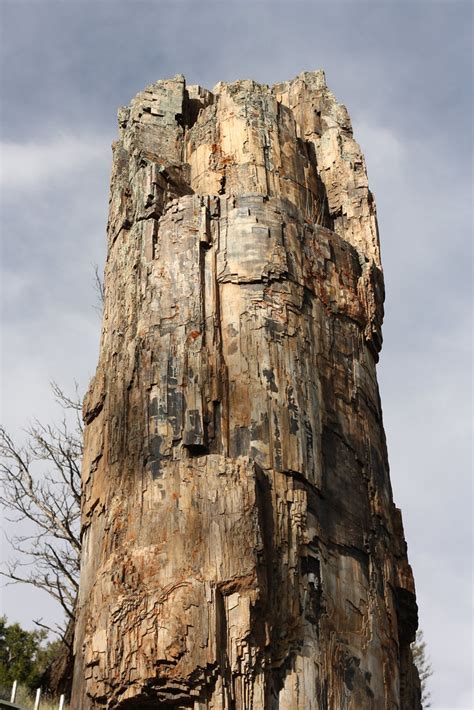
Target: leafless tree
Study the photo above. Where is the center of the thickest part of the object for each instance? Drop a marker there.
(41, 492)
(423, 666)
(99, 289)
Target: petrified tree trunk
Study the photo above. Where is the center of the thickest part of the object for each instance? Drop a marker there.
(241, 547)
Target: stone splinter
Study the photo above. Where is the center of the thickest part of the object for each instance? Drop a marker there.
(241, 547)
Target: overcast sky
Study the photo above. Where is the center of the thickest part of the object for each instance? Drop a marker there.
(404, 70)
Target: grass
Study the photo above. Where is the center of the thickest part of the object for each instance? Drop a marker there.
(26, 699)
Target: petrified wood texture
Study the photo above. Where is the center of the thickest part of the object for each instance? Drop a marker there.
(241, 548)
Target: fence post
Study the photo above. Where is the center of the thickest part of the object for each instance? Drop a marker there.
(38, 698)
(13, 695)
(61, 702)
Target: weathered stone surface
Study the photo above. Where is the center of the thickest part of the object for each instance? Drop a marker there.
(241, 548)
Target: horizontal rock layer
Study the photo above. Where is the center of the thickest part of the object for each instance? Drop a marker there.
(241, 548)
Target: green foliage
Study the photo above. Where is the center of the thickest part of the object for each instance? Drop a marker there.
(24, 655)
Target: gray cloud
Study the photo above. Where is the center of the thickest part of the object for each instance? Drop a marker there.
(404, 71)
(31, 165)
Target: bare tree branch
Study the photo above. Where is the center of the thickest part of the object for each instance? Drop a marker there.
(56, 630)
(99, 289)
(423, 666)
(40, 487)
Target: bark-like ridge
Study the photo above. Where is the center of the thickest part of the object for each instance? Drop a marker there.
(241, 547)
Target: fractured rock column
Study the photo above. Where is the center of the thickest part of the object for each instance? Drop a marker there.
(241, 547)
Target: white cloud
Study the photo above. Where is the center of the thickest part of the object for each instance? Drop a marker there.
(29, 165)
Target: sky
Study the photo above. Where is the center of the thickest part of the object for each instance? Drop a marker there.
(404, 70)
